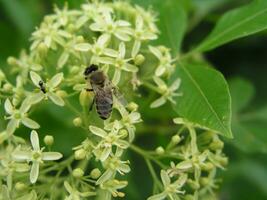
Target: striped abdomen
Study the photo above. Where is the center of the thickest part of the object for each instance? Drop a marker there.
(104, 103)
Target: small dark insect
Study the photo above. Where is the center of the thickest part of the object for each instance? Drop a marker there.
(42, 86)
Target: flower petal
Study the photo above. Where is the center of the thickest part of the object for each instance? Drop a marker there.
(122, 50)
(51, 156)
(25, 106)
(56, 80)
(156, 52)
(11, 126)
(68, 187)
(34, 172)
(105, 176)
(159, 196)
(98, 131)
(21, 155)
(160, 70)
(63, 59)
(30, 123)
(175, 85)
(83, 47)
(157, 103)
(35, 140)
(105, 153)
(130, 68)
(35, 78)
(165, 178)
(103, 40)
(116, 77)
(136, 48)
(8, 107)
(159, 81)
(36, 97)
(56, 99)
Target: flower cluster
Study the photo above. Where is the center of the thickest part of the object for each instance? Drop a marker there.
(117, 37)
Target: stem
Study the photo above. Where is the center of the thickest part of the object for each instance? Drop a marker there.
(153, 173)
(150, 86)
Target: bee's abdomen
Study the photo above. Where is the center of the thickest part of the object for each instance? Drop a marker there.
(104, 107)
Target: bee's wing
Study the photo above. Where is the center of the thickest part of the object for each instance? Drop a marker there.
(119, 96)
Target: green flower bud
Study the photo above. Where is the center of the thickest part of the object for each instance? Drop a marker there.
(160, 150)
(42, 49)
(132, 106)
(61, 93)
(78, 173)
(223, 161)
(7, 87)
(216, 145)
(95, 173)
(80, 154)
(80, 39)
(139, 59)
(77, 122)
(49, 140)
(2, 75)
(19, 186)
(207, 166)
(85, 98)
(176, 139)
(204, 181)
(12, 61)
(123, 133)
(71, 28)
(193, 184)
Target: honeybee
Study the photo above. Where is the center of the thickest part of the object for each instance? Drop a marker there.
(103, 90)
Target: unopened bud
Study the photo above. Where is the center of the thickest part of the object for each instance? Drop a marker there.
(19, 186)
(139, 59)
(207, 166)
(216, 145)
(85, 98)
(7, 87)
(123, 133)
(12, 61)
(71, 28)
(77, 122)
(80, 39)
(223, 161)
(42, 49)
(2, 75)
(193, 184)
(176, 139)
(78, 173)
(204, 181)
(95, 173)
(49, 140)
(160, 150)
(80, 154)
(132, 106)
(61, 93)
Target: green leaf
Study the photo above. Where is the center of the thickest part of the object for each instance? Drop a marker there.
(172, 24)
(206, 98)
(242, 92)
(236, 24)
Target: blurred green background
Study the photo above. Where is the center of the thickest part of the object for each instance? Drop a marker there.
(243, 62)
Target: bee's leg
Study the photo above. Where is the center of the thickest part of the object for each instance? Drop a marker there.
(91, 106)
(89, 90)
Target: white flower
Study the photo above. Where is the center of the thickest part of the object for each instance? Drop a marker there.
(74, 194)
(170, 189)
(112, 165)
(167, 92)
(63, 15)
(35, 156)
(111, 186)
(120, 63)
(46, 90)
(50, 34)
(165, 60)
(106, 24)
(141, 33)
(18, 116)
(113, 138)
